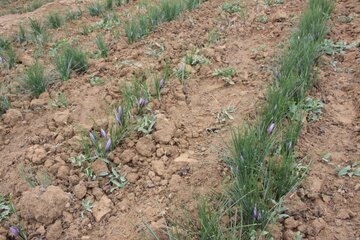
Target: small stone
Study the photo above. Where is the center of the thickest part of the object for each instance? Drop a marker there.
(80, 190)
(127, 155)
(145, 146)
(36, 154)
(54, 231)
(102, 207)
(318, 225)
(98, 193)
(159, 168)
(357, 187)
(100, 168)
(41, 230)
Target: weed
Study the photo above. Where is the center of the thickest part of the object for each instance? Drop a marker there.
(95, 80)
(6, 208)
(39, 35)
(4, 104)
(117, 180)
(33, 178)
(87, 205)
(192, 4)
(60, 102)
(225, 114)
(35, 80)
(213, 37)
(95, 9)
(155, 49)
(314, 109)
(101, 45)
(85, 29)
(74, 14)
(350, 170)
(227, 74)
(55, 20)
(231, 7)
(109, 4)
(330, 48)
(22, 35)
(262, 19)
(193, 58)
(120, 3)
(145, 124)
(70, 59)
(8, 57)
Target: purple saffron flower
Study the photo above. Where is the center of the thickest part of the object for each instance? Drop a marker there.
(118, 118)
(120, 111)
(256, 214)
(103, 133)
(1, 60)
(142, 102)
(92, 138)
(161, 84)
(271, 128)
(108, 145)
(15, 231)
(181, 67)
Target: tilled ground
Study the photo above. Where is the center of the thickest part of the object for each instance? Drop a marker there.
(181, 159)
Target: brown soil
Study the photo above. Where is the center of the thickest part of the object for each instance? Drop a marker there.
(167, 176)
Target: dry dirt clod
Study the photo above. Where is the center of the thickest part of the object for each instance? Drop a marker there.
(12, 116)
(127, 155)
(159, 168)
(145, 146)
(99, 167)
(80, 190)
(101, 208)
(61, 118)
(54, 231)
(44, 207)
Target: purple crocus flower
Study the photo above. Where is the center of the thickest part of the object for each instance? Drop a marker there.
(103, 133)
(120, 111)
(181, 67)
(108, 145)
(142, 102)
(256, 214)
(1, 60)
(161, 84)
(271, 128)
(289, 145)
(15, 231)
(92, 138)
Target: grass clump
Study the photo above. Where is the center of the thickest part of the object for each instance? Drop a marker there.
(101, 45)
(74, 14)
(167, 10)
(95, 9)
(39, 35)
(261, 154)
(4, 104)
(35, 80)
(70, 60)
(55, 20)
(231, 7)
(8, 55)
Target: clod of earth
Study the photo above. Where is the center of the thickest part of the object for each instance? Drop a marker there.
(45, 207)
(102, 207)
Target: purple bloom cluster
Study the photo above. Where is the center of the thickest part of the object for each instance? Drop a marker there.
(161, 84)
(118, 116)
(256, 215)
(15, 231)
(271, 128)
(142, 103)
